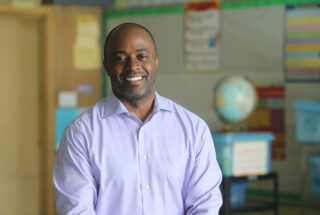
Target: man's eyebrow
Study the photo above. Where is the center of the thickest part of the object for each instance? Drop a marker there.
(124, 52)
(119, 52)
(142, 50)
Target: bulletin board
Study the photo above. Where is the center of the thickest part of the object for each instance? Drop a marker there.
(78, 60)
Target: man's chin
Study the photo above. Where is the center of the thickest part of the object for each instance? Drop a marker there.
(134, 96)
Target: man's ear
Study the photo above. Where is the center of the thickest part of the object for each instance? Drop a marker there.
(157, 61)
(105, 65)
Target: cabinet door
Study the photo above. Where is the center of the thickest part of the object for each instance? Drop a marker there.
(19, 116)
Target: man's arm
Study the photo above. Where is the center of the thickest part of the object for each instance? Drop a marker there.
(204, 196)
(73, 178)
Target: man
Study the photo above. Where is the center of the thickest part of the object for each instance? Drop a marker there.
(135, 152)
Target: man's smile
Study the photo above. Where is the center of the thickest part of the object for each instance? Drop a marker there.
(135, 81)
(134, 78)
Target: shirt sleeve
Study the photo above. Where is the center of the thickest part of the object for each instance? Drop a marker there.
(204, 196)
(73, 178)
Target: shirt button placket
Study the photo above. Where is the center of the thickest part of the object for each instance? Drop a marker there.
(144, 170)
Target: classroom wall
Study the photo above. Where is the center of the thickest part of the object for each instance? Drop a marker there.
(248, 48)
(252, 45)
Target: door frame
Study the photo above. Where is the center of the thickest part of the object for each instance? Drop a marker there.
(45, 15)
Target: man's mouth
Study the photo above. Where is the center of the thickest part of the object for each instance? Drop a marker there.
(138, 78)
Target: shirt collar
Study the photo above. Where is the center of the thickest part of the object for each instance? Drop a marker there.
(161, 103)
(113, 106)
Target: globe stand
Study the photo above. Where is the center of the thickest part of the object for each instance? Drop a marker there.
(234, 127)
(227, 128)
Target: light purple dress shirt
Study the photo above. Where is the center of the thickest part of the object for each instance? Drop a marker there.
(111, 163)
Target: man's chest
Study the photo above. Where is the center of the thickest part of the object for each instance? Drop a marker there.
(141, 155)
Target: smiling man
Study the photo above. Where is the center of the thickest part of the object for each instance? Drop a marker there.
(131, 61)
(135, 152)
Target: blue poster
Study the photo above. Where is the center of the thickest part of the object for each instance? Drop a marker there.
(63, 117)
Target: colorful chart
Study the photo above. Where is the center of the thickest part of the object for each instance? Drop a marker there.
(302, 43)
(269, 115)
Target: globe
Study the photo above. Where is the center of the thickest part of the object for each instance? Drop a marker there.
(234, 99)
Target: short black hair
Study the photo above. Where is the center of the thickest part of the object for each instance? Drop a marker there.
(124, 26)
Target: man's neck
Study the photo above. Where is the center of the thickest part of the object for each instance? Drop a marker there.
(141, 108)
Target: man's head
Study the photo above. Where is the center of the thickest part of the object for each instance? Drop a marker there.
(131, 61)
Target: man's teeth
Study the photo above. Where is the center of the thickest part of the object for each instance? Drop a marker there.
(134, 78)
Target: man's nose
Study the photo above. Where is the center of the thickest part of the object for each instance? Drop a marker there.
(133, 63)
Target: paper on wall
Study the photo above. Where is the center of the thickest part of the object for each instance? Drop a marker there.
(202, 36)
(86, 49)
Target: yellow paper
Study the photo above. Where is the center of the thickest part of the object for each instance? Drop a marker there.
(303, 20)
(86, 57)
(86, 41)
(297, 48)
(303, 63)
(86, 48)
(87, 24)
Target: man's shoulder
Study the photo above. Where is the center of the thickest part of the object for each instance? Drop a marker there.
(89, 117)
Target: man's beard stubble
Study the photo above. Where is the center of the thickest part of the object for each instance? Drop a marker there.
(124, 93)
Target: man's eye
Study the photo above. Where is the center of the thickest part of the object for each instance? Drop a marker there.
(142, 57)
(120, 58)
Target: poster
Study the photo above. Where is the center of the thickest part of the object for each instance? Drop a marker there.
(302, 43)
(202, 27)
(269, 116)
(63, 117)
(250, 158)
(86, 49)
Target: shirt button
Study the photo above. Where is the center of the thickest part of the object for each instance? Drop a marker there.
(145, 157)
(147, 187)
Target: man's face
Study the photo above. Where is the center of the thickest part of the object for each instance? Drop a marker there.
(131, 64)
